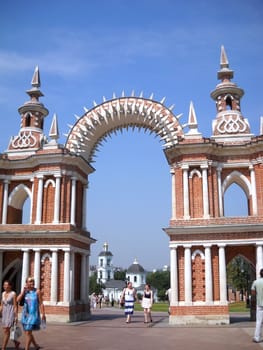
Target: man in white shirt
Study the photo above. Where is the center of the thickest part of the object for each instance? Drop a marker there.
(257, 289)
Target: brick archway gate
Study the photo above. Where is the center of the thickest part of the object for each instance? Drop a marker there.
(55, 245)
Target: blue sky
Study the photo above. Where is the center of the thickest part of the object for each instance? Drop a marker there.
(89, 49)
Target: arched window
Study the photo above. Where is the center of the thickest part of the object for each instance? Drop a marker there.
(235, 201)
(19, 205)
(228, 100)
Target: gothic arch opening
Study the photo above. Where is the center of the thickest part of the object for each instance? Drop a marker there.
(235, 201)
(240, 274)
(236, 188)
(116, 116)
(16, 202)
(132, 169)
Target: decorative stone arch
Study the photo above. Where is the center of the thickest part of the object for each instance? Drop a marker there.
(50, 182)
(13, 271)
(19, 195)
(198, 252)
(195, 172)
(238, 178)
(118, 114)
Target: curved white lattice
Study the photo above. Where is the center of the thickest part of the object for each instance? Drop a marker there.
(119, 113)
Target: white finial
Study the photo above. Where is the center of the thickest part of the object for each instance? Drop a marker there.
(53, 132)
(261, 125)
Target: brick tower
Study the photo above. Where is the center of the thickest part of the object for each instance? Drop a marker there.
(53, 246)
(202, 240)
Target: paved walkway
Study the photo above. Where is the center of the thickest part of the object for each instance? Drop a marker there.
(107, 330)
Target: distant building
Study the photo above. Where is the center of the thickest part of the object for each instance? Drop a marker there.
(136, 274)
(105, 269)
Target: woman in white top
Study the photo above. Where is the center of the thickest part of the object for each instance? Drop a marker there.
(129, 296)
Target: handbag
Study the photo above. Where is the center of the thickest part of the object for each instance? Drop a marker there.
(15, 332)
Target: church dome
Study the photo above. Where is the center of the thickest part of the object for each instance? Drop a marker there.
(135, 268)
(105, 251)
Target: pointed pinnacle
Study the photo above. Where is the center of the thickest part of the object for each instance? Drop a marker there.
(35, 82)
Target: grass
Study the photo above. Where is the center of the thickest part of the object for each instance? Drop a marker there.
(163, 307)
(238, 307)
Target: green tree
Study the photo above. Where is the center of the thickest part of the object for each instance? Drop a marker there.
(239, 274)
(120, 275)
(95, 287)
(161, 281)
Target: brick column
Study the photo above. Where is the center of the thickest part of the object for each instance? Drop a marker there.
(37, 268)
(208, 276)
(259, 257)
(73, 201)
(173, 276)
(39, 200)
(57, 200)
(66, 276)
(1, 268)
(54, 277)
(173, 195)
(253, 190)
(84, 207)
(5, 203)
(72, 276)
(222, 274)
(187, 274)
(219, 185)
(205, 192)
(186, 191)
(25, 267)
(84, 276)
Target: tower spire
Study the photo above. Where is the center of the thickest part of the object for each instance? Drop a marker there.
(229, 125)
(33, 112)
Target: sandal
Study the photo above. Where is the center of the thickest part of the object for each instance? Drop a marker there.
(17, 344)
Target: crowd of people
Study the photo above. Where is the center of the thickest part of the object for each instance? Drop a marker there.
(33, 312)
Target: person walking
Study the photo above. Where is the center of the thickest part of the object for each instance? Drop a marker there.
(257, 290)
(9, 311)
(129, 295)
(147, 302)
(33, 304)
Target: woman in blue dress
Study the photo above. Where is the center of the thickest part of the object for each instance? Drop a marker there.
(33, 304)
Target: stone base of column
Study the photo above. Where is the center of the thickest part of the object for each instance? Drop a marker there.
(210, 315)
(65, 314)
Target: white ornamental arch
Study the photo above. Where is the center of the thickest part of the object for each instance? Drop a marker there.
(122, 113)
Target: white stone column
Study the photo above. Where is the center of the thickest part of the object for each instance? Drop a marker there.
(259, 257)
(173, 276)
(73, 201)
(84, 275)
(219, 185)
(187, 274)
(66, 276)
(222, 275)
(39, 200)
(31, 200)
(5, 202)
(37, 268)
(84, 207)
(54, 277)
(253, 190)
(185, 168)
(1, 268)
(87, 281)
(208, 276)
(25, 267)
(57, 200)
(205, 191)
(72, 276)
(173, 195)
